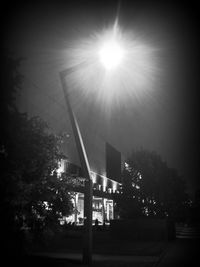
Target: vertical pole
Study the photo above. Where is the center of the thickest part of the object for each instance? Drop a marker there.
(76, 209)
(103, 211)
(87, 250)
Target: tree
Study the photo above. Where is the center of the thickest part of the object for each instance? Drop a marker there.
(31, 190)
(30, 167)
(127, 204)
(157, 189)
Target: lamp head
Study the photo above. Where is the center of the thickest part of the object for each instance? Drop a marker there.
(111, 54)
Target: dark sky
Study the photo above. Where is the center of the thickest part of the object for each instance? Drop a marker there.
(167, 121)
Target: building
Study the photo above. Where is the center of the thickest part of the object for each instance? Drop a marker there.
(104, 188)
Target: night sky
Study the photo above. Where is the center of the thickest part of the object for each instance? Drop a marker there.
(165, 119)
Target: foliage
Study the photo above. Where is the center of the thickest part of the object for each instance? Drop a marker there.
(29, 177)
(128, 206)
(31, 191)
(152, 188)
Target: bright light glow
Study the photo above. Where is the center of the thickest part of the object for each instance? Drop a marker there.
(126, 165)
(111, 54)
(94, 177)
(105, 183)
(61, 167)
(114, 186)
(137, 187)
(120, 68)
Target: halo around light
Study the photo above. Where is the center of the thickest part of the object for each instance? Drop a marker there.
(120, 66)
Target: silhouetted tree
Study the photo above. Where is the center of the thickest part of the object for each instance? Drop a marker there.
(151, 188)
(127, 204)
(31, 191)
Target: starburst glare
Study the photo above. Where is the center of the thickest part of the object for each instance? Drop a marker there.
(119, 66)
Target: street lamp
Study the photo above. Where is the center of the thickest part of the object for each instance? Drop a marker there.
(109, 50)
(110, 55)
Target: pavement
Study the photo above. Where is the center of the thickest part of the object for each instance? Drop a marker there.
(177, 253)
(180, 252)
(118, 254)
(184, 251)
(75, 259)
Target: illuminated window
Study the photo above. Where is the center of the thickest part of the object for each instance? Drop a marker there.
(114, 186)
(109, 190)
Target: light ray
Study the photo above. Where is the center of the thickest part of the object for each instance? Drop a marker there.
(129, 70)
(131, 73)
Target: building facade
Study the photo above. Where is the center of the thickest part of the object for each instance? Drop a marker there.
(104, 189)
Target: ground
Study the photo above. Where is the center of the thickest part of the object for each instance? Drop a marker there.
(109, 252)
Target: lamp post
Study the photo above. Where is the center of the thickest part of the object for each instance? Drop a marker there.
(87, 250)
(110, 55)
